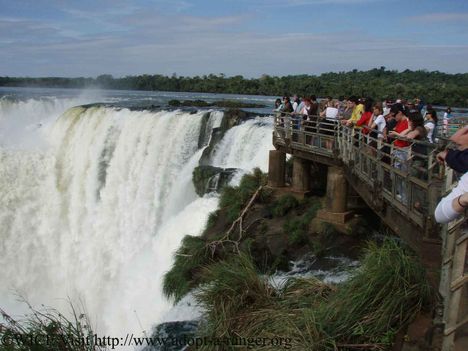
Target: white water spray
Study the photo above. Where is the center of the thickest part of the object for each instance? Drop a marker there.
(98, 216)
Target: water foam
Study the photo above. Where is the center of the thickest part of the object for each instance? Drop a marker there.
(98, 216)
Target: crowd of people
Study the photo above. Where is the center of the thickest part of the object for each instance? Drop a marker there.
(378, 119)
(402, 130)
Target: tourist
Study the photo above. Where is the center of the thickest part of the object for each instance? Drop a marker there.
(460, 138)
(330, 111)
(455, 159)
(287, 106)
(306, 109)
(448, 113)
(358, 110)
(454, 204)
(390, 123)
(419, 105)
(278, 105)
(314, 105)
(418, 133)
(296, 105)
(347, 111)
(366, 118)
(401, 150)
(309, 121)
(431, 125)
(387, 105)
(445, 121)
(377, 127)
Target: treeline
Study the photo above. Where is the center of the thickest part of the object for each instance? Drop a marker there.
(433, 87)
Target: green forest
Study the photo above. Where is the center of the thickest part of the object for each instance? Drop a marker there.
(433, 87)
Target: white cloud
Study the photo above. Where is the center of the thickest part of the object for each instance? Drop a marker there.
(440, 17)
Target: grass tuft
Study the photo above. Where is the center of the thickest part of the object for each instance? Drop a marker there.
(382, 297)
(46, 330)
(384, 294)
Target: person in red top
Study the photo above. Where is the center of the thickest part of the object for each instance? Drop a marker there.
(401, 151)
(401, 127)
(366, 118)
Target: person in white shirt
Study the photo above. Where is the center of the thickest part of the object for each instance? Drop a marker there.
(378, 121)
(454, 204)
(331, 112)
(430, 125)
(297, 104)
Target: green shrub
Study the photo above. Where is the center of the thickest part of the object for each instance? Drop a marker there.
(298, 228)
(284, 205)
(212, 218)
(234, 199)
(189, 259)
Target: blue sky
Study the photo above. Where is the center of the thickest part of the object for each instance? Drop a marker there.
(247, 37)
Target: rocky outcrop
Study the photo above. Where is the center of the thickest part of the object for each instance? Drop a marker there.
(220, 103)
(208, 179)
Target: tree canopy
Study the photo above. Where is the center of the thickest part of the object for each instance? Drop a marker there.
(433, 87)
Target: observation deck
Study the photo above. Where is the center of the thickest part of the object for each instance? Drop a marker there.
(401, 185)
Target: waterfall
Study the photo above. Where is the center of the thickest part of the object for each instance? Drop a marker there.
(97, 215)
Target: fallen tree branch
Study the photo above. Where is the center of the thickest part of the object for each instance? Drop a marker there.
(239, 221)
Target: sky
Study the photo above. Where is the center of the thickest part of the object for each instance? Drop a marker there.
(86, 38)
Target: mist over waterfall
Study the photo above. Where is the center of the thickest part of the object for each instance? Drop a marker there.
(95, 200)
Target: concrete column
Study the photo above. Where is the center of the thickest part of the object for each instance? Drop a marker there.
(337, 190)
(276, 168)
(301, 175)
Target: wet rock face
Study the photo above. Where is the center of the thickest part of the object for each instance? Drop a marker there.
(173, 336)
(208, 179)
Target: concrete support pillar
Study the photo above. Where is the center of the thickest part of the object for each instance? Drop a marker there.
(301, 175)
(337, 190)
(276, 168)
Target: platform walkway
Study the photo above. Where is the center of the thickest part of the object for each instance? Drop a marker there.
(401, 185)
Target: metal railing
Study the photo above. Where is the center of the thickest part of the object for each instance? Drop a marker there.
(404, 176)
(454, 275)
(408, 178)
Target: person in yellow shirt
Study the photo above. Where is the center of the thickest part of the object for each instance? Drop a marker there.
(358, 110)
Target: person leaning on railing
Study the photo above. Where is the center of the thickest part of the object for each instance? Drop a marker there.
(358, 110)
(377, 127)
(455, 203)
(366, 118)
(400, 152)
(457, 159)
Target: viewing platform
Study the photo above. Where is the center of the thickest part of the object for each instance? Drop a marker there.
(402, 191)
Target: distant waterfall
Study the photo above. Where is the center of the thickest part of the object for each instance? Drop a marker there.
(98, 215)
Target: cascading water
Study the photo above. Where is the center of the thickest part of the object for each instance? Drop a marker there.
(97, 216)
